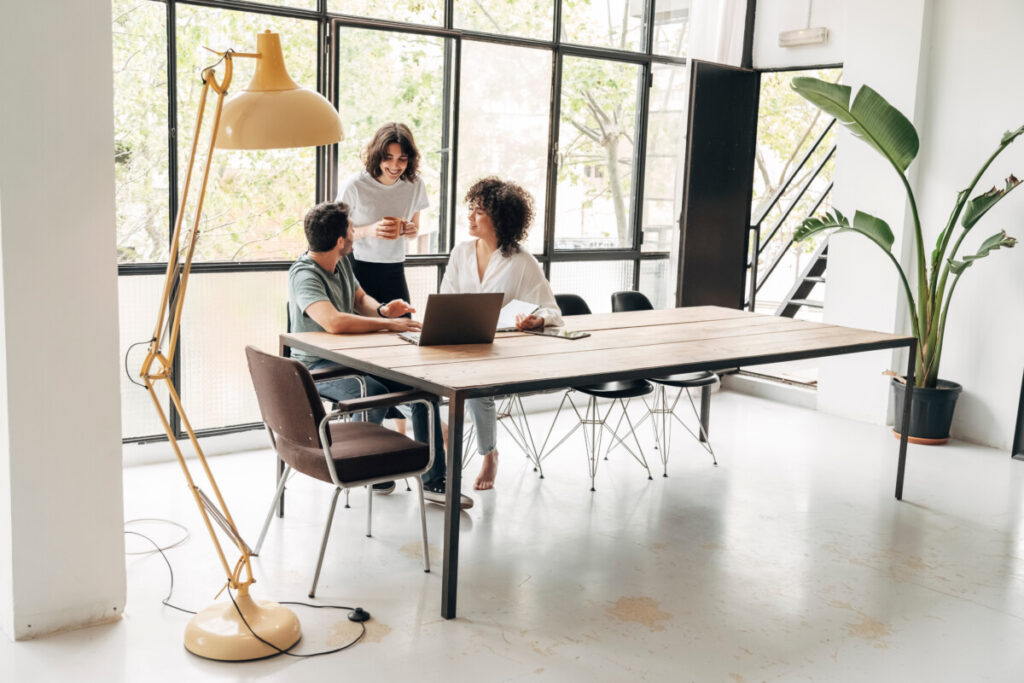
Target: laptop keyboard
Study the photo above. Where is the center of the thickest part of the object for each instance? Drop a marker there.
(411, 337)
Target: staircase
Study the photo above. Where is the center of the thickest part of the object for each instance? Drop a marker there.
(814, 274)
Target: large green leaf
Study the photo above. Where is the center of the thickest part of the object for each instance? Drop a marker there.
(871, 118)
(979, 206)
(875, 229)
(996, 241)
(813, 225)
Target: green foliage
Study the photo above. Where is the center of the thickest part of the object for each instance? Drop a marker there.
(888, 131)
(255, 200)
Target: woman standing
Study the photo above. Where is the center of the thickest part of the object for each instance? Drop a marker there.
(386, 198)
(500, 213)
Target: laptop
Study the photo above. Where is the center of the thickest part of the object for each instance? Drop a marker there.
(458, 319)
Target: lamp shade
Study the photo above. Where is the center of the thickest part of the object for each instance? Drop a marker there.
(274, 112)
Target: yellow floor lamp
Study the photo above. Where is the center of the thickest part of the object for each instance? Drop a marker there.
(273, 112)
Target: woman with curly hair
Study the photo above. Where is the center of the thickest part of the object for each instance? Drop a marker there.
(500, 213)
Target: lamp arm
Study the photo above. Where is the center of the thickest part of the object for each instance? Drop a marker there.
(158, 363)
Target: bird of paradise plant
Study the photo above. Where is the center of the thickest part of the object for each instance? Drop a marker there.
(884, 128)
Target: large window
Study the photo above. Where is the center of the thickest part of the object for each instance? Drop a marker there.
(580, 101)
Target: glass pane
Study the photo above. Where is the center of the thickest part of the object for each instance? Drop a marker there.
(666, 158)
(605, 23)
(527, 18)
(595, 170)
(223, 313)
(416, 11)
(657, 282)
(422, 283)
(140, 130)
(256, 199)
(595, 281)
(671, 27)
(504, 120)
(138, 298)
(408, 87)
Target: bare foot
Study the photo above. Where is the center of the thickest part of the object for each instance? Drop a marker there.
(488, 472)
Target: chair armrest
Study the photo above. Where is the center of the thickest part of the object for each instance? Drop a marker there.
(332, 373)
(357, 405)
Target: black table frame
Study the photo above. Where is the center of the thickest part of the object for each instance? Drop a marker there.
(456, 414)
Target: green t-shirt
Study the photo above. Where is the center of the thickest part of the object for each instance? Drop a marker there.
(308, 283)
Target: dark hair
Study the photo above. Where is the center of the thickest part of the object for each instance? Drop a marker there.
(324, 224)
(509, 207)
(386, 135)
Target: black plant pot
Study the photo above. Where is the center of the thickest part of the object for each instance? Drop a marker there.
(931, 411)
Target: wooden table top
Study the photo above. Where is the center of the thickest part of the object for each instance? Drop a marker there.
(622, 345)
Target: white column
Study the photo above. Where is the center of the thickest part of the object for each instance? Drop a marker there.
(61, 513)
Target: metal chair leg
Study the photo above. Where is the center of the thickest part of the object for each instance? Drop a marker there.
(282, 479)
(346, 499)
(280, 504)
(369, 511)
(423, 525)
(639, 449)
(705, 411)
(323, 543)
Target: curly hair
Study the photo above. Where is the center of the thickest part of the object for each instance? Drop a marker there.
(378, 148)
(324, 224)
(508, 205)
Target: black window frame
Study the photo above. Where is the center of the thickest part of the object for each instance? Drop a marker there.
(326, 181)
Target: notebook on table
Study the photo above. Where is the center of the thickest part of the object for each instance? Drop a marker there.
(458, 319)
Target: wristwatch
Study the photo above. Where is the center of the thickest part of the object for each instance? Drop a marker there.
(379, 314)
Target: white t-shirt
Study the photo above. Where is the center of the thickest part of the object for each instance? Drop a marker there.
(518, 276)
(369, 201)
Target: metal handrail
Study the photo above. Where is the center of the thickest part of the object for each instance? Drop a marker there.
(796, 200)
(785, 186)
(757, 281)
(789, 243)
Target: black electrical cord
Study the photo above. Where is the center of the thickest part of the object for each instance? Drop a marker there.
(128, 372)
(362, 626)
(166, 601)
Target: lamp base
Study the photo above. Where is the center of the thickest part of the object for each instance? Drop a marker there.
(219, 633)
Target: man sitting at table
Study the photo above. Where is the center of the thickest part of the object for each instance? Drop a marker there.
(324, 296)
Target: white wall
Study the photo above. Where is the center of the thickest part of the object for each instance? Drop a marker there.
(974, 94)
(775, 16)
(863, 288)
(61, 542)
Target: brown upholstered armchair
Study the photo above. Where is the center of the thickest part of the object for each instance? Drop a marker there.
(328, 447)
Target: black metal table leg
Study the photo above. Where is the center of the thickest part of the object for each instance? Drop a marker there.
(907, 400)
(450, 578)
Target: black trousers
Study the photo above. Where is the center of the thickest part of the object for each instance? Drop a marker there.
(383, 281)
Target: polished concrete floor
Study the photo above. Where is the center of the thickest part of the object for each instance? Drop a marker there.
(790, 561)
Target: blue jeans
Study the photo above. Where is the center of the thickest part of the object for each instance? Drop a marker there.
(485, 421)
(346, 388)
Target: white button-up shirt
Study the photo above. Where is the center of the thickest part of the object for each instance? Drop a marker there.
(518, 276)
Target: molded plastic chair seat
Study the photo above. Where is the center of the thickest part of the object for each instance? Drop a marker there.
(688, 379)
(633, 388)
